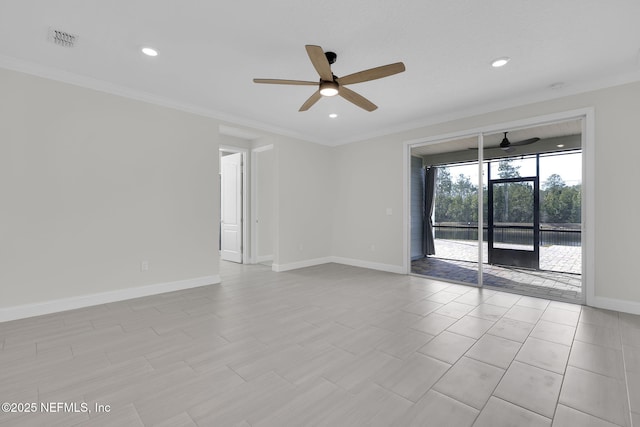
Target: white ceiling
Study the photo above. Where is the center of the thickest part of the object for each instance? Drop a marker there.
(211, 50)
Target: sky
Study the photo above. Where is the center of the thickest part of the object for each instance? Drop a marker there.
(568, 166)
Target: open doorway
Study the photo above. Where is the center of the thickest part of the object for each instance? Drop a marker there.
(233, 205)
(510, 218)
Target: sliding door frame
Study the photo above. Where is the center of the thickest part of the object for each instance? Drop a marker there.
(586, 115)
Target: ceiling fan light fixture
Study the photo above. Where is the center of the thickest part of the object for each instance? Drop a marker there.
(500, 62)
(328, 88)
(149, 51)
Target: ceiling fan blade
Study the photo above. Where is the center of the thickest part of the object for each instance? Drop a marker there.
(372, 74)
(319, 61)
(356, 99)
(525, 142)
(285, 82)
(312, 100)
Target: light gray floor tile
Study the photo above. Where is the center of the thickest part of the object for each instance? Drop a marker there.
(631, 358)
(554, 332)
(181, 420)
(630, 336)
(594, 334)
(438, 410)
(595, 394)
(324, 345)
(443, 297)
(362, 340)
(531, 302)
(357, 409)
(434, 323)
(307, 407)
(488, 311)
(362, 369)
(629, 320)
(566, 306)
(475, 296)
(544, 354)
(503, 300)
(510, 329)
(472, 327)
(414, 377)
(599, 317)
(494, 351)
(569, 417)
(530, 387)
(454, 309)
(422, 308)
(390, 411)
(404, 344)
(633, 385)
(562, 316)
(598, 359)
(397, 321)
(524, 314)
(499, 413)
(447, 346)
(470, 382)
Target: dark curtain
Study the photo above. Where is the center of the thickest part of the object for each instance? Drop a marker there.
(429, 175)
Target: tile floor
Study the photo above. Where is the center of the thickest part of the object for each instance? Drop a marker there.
(328, 345)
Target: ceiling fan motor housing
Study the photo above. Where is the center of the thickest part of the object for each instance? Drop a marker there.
(505, 142)
(331, 57)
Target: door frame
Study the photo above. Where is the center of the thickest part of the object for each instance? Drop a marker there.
(244, 194)
(522, 258)
(255, 206)
(587, 116)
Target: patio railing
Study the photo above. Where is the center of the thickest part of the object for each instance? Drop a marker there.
(549, 235)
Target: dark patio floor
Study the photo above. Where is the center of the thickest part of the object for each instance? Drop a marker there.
(559, 276)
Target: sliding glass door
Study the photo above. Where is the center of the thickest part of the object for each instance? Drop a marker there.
(508, 219)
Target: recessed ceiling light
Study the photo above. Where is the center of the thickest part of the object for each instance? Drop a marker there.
(333, 115)
(149, 51)
(500, 62)
(560, 145)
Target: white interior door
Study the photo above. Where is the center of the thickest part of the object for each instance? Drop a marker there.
(231, 208)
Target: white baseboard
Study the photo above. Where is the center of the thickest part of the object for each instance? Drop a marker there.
(71, 303)
(339, 260)
(300, 264)
(631, 307)
(390, 268)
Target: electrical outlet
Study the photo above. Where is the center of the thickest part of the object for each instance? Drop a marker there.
(373, 248)
(144, 265)
(300, 247)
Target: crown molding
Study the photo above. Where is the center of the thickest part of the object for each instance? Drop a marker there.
(548, 94)
(39, 70)
(529, 98)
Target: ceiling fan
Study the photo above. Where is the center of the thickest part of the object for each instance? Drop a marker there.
(507, 146)
(330, 85)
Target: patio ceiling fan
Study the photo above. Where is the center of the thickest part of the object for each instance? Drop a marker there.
(331, 85)
(507, 146)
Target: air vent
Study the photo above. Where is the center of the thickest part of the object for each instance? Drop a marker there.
(62, 38)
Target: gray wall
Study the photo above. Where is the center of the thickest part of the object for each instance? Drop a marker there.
(359, 218)
(92, 184)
